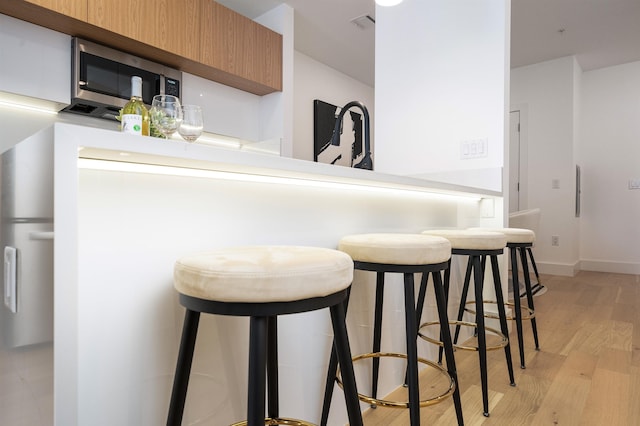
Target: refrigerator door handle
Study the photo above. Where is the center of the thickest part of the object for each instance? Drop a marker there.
(41, 235)
(11, 278)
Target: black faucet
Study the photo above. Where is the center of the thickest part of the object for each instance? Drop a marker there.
(366, 162)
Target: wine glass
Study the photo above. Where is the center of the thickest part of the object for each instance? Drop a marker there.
(166, 114)
(191, 126)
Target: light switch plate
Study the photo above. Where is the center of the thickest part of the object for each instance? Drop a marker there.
(634, 183)
(474, 148)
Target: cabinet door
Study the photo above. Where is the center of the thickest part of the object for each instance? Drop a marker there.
(268, 57)
(74, 8)
(239, 46)
(170, 25)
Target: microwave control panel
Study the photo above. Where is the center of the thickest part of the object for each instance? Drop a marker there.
(171, 86)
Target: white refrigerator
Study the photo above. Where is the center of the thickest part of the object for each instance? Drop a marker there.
(26, 241)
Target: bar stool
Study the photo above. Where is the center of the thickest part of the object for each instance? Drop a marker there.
(406, 254)
(262, 282)
(529, 219)
(520, 240)
(477, 245)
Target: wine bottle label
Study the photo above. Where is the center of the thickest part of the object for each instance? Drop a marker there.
(132, 124)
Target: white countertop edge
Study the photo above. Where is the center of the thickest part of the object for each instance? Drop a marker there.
(100, 144)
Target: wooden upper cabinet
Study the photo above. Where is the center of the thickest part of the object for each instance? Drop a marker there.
(73, 8)
(200, 37)
(169, 25)
(239, 46)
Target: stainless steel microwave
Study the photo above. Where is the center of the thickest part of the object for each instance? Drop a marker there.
(101, 79)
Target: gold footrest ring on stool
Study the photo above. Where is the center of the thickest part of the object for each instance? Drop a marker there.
(399, 404)
(279, 421)
(529, 312)
(490, 347)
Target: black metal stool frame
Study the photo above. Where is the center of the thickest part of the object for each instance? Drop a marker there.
(514, 248)
(263, 352)
(476, 266)
(411, 324)
(538, 285)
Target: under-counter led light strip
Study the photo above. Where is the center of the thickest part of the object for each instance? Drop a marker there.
(121, 166)
(15, 105)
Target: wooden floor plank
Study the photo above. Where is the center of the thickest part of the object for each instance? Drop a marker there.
(587, 371)
(568, 393)
(633, 399)
(607, 403)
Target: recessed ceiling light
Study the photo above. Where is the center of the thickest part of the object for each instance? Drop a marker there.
(388, 2)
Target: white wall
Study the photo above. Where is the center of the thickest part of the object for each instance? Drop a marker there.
(314, 80)
(609, 154)
(277, 108)
(589, 119)
(440, 81)
(545, 93)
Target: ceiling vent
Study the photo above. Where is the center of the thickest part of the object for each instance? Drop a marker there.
(363, 22)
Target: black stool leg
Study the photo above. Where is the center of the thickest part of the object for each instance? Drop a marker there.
(445, 337)
(377, 333)
(257, 374)
(463, 296)
(482, 342)
(343, 351)
(412, 349)
(273, 408)
(183, 367)
(538, 286)
(527, 284)
(447, 281)
(422, 294)
(515, 283)
(502, 315)
(331, 374)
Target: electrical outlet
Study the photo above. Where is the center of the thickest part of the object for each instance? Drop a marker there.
(555, 240)
(634, 184)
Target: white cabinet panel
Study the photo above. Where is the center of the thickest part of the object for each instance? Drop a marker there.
(35, 61)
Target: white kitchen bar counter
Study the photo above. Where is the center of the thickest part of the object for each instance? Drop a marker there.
(118, 231)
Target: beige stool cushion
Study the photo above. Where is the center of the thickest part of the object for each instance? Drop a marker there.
(263, 274)
(514, 235)
(396, 249)
(466, 239)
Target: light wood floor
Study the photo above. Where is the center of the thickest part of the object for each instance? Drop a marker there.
(587, 371)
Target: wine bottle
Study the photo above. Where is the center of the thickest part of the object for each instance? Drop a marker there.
(135, 116)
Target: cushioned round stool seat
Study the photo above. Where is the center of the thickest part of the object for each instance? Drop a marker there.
(263, 274)
(471, 239)
(396, 249)
(263, 283)
(513, 235)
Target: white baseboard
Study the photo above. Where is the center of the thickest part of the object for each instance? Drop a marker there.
(571, 269)
(609, 266)
(563, 269)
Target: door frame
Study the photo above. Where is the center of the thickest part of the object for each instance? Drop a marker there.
(524, 155)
